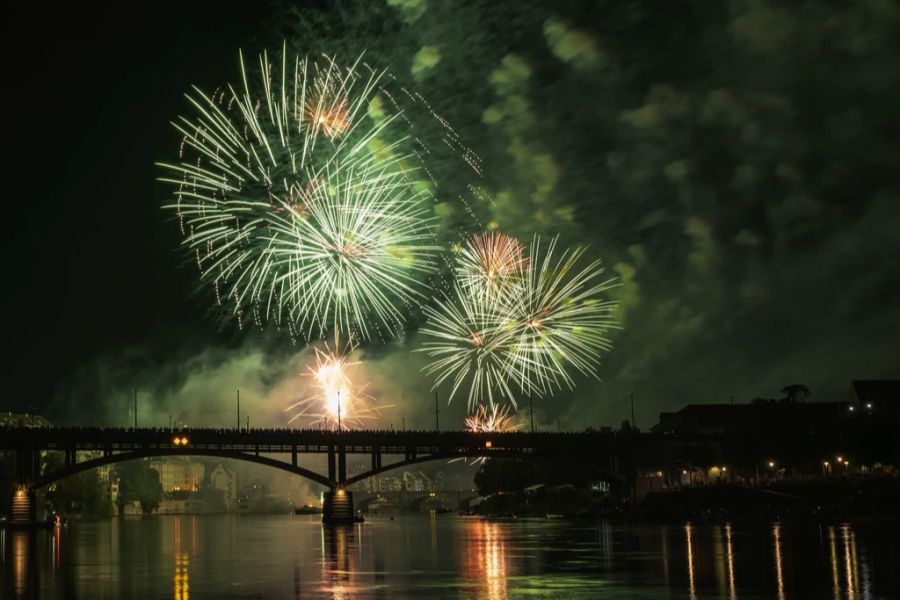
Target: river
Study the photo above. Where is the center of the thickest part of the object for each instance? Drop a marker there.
(444, 556)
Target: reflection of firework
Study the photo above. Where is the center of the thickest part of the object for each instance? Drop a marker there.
(335, 401)
(266, 168)
(488, 260)
(545, 322)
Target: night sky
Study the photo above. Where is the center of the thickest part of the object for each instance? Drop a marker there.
(734, 164)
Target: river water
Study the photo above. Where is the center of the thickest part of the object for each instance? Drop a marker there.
(443, 556)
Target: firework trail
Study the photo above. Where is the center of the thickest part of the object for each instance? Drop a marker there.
(271, 171)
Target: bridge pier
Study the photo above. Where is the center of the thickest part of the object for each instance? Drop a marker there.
(337, 507)
(23, 509)
(331, 466)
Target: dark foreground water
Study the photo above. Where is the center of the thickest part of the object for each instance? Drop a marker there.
(444, 557)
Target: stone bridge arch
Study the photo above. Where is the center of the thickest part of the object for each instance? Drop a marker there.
(618, 477)
(93, 463)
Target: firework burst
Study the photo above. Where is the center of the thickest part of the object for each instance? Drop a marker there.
(486, 420)
(333, 400)
(489, 261)
(561, 322)
(546, 320)
(269, 173)
(468, 343)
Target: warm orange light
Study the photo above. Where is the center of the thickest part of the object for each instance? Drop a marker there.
(341, 492)
(724, 469)
(176, 441)
(771, 463)
(840, 459)
(184, 441)
(488, 444)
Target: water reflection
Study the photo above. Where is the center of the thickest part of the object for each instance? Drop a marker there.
(181, 584)
(338, 565)
(779, 568)
(729, 549)
(426, 556)
(56, 544)
(689, 534)
(485, 560)
(23, 564)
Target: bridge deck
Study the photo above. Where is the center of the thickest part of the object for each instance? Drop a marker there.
(302, 441)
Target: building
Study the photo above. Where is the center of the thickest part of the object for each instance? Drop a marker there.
(10, 419)
(382, 483)
(179, 474)
(226, 481)
(721, 419)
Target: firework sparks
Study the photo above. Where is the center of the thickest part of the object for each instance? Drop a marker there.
(361, 251)
(327, 107)
(283, 176)
(561, 321)
(469, 342)
(545, 322)
(488, 261)
(334, 401)
(485, 420)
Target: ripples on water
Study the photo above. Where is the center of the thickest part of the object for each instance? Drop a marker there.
(444, 557)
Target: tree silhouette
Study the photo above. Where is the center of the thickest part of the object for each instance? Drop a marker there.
(796, 392)
(137, 481)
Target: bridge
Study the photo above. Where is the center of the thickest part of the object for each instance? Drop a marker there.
(609, 453)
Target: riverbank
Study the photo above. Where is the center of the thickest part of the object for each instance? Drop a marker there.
(817, 500)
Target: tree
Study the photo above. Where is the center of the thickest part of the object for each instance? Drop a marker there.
(796, 392)
(137, 481)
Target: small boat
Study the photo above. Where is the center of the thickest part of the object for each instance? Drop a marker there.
(307, 509)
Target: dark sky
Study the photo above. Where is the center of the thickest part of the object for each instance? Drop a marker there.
(91, 262)
(734, 164)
